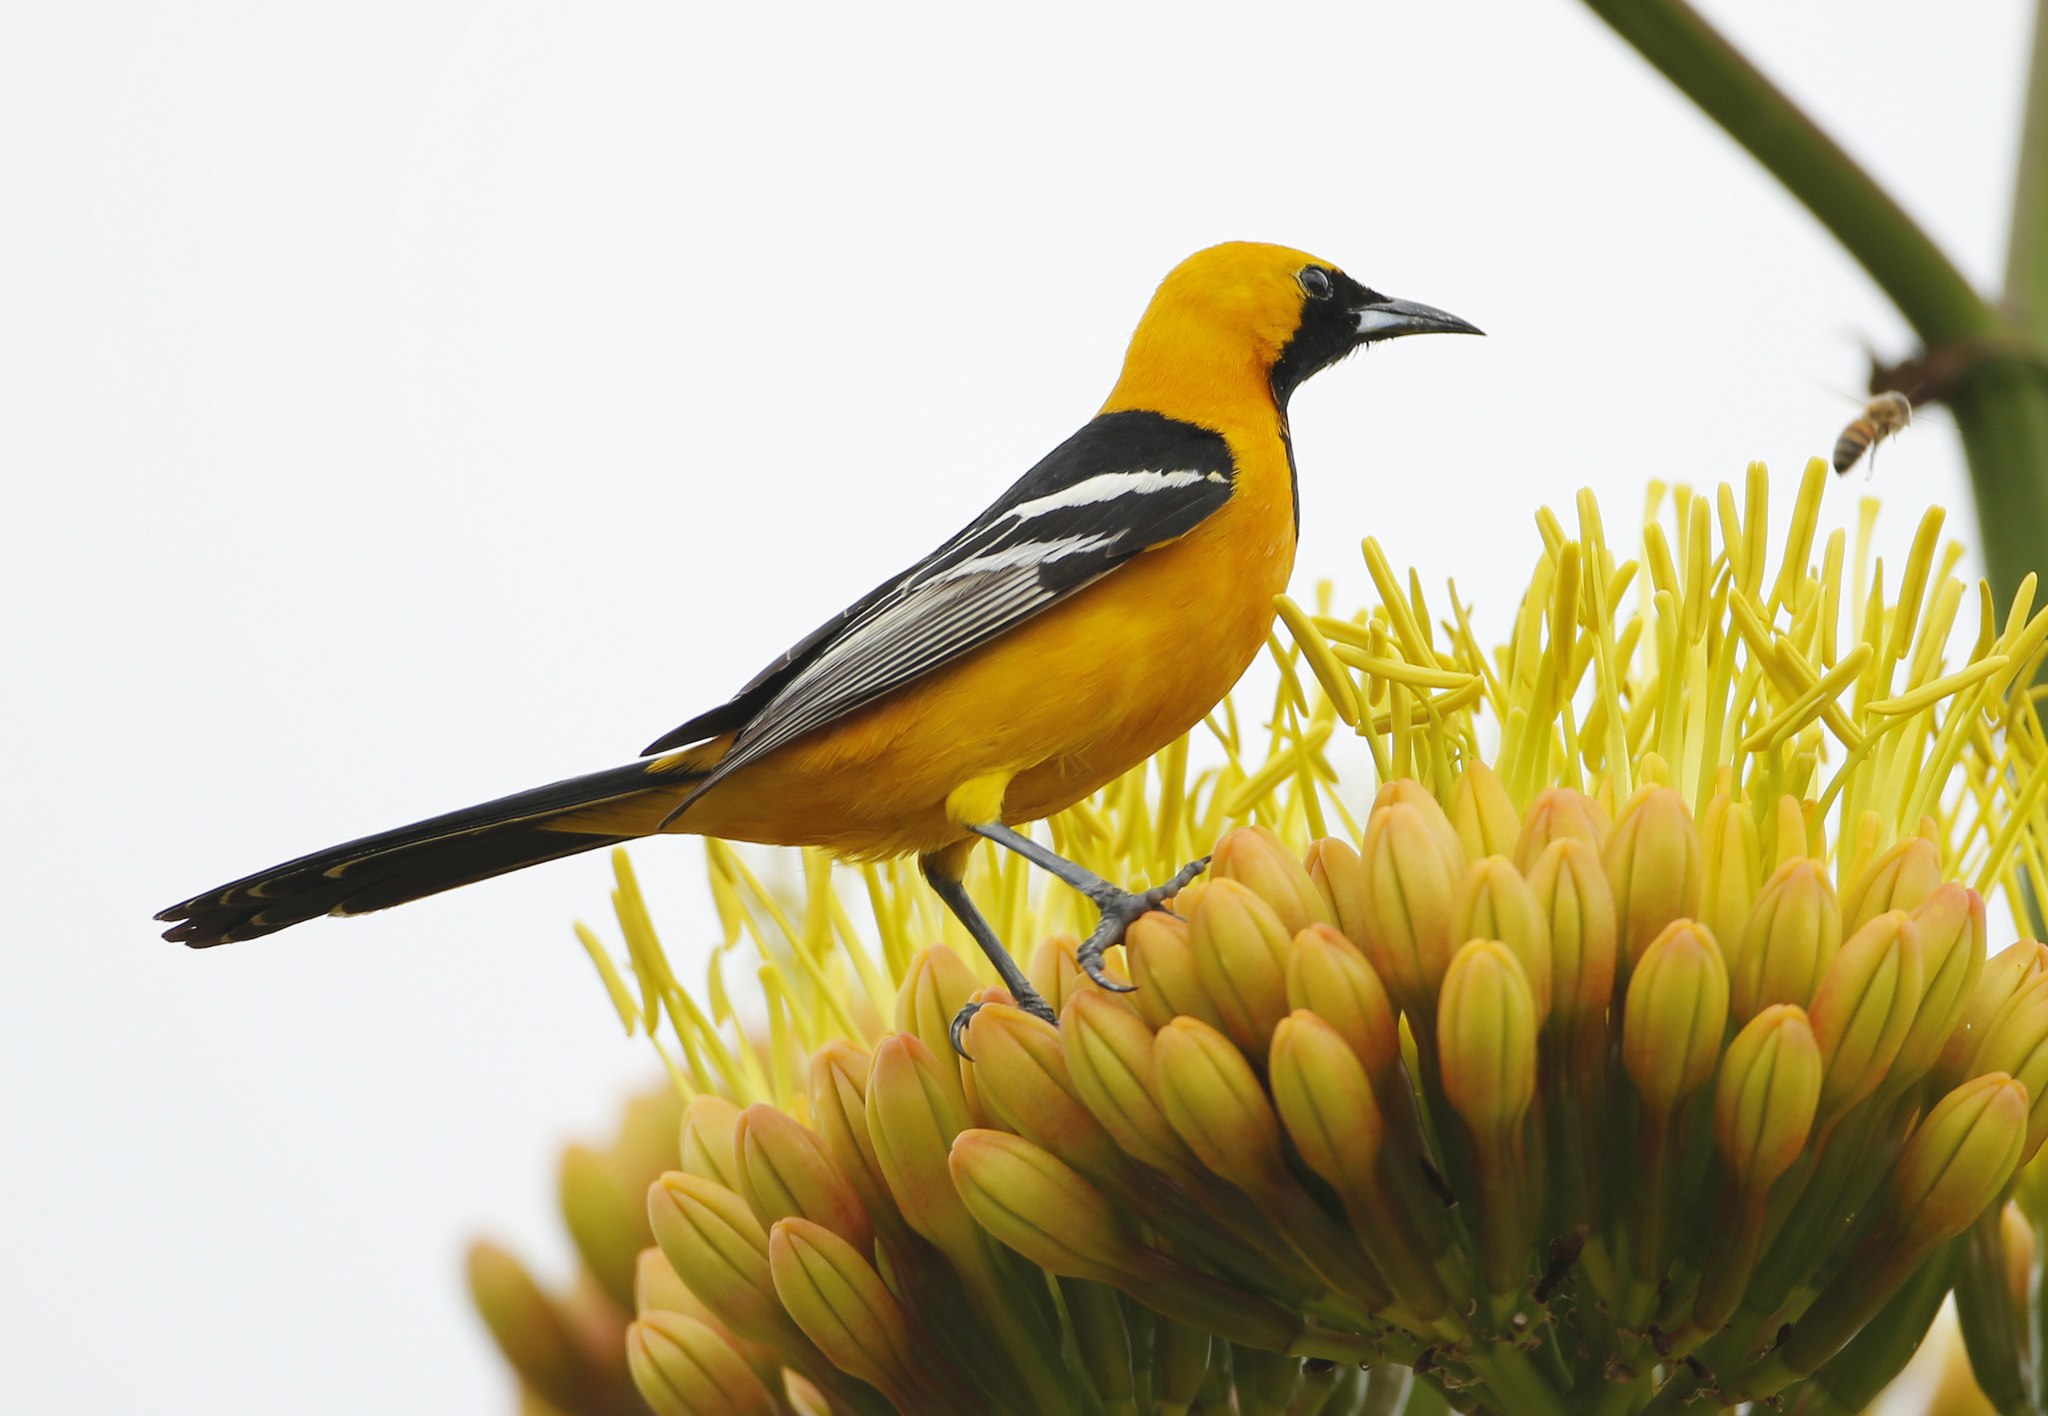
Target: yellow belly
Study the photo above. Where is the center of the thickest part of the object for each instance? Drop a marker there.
(1064, 703)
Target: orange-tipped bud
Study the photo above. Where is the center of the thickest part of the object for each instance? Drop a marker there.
(2011, 979)
(1040, 1206)
(1864, 1006)
(1020, 1075)
(1325, 1100)
(937, 986)
(1495, 902)
(1410, 891)
(684, 1368)
(1482, 814)
(1577, 907)
(1958, 1160)
(1676, 1009)
(1950, 926)
(1108, 1051)
(1163, 967)
(1653, 863)
(1259, 860)
(1406, 791)
(1486, 1038)
(1899, 879)
(1240, 948)
(1560, 813)
(913, 1113)
(720, 1251)
(838, 1092)
(1791, 938)
(786, 1170)
(1339, 875)
(1731, 867)
(710, 1145)
(1214, 1102)
(2018, 1046)
(835, 1296)
(1768, 1093)
(1329, 977)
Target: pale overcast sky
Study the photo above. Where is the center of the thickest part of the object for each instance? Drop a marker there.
(401, 404)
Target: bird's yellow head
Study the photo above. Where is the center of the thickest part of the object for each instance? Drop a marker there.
(1250, 314)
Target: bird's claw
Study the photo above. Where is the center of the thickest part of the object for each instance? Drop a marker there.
(1120, 910)
(1030, 1001)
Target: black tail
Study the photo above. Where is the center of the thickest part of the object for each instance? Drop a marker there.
(413, 861)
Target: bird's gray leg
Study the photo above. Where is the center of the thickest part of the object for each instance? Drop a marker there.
(1120, 908)
(950, 890)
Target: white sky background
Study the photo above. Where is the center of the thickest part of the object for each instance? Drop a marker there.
(402, 404)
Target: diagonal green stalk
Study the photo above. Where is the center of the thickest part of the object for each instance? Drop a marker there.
(1989, 363)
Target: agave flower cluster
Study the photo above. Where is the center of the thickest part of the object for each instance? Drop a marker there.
(1633, 1044)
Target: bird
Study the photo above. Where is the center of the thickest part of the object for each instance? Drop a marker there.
(1091, 614)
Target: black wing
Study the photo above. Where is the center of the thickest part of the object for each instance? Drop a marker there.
(1124, 483)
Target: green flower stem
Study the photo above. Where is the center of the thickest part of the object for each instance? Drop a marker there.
(1984, 1310)
(2000, 391)
(2026, 252)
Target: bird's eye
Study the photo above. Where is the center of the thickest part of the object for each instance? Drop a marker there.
(1316, 282)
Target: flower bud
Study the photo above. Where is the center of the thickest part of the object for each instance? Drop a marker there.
(1482, 813)
(2011, 979)
(655, 1285)
(2018, 1046)
(1163, 968)
(1675, 1011)
(1055, 972)
(1108, 1052)
(1257, 859)
(684, 1368)
(1021, 1077)
(720, 1251)
(608, 1229)
(1036, 1204)
(1577, 908)
(1215, 1103)
(1240, 949)
(1406, 791)
(529, 1330)
(786, 1170)
(1556, 814)
(1653, 862)
(1958, 1160)
(1325, 1100)
(1790, 940)
(1410, 890)
(1495, 902)
(1863, 1007)
(1329, 977)
(842, 1305)
(1040, 1206)
(1768, 1093)
(1899, 879)
(1950, 926)
(838, 1092)
(1339, 876)
(937, 986)
(1731, 867)
(1486, 1038)
(710, 1146)
(912, 1116)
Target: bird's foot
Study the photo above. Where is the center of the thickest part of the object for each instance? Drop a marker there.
(1120, 910)
(1030, 1000)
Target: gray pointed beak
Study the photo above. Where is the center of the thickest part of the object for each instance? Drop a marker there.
(1390, 319)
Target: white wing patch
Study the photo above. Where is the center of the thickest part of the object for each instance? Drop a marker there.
(1025, 553)
(1105, 485)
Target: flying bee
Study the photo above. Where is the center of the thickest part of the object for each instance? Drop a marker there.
(1883, 416)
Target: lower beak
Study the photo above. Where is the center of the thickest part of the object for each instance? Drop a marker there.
(1390, 319)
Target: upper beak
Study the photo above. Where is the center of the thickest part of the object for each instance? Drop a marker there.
(1390, 319)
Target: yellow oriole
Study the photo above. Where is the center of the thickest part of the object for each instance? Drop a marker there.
(1095, 611)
